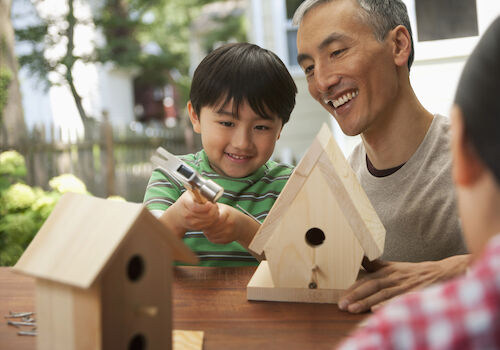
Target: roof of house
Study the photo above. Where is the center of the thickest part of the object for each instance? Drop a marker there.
(81, 235)
(325, 154)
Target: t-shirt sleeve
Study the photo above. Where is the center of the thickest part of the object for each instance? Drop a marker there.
(162, 191)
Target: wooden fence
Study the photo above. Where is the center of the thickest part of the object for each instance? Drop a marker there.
(109, 160)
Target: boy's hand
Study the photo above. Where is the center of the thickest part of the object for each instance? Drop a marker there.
(225, 228)
(191, 215)
(232, 225)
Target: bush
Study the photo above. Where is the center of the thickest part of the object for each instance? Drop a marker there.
(23, 209)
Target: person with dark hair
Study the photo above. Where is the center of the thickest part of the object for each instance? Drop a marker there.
(463, 313)
(241, 97)
(357, 55)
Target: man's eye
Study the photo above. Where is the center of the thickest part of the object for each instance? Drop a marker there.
(308, 70)
(228, 124)
(337, 52)
(262, 127)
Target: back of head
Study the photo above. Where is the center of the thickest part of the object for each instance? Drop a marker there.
(478, 97)
(244, 72)
(381, 15)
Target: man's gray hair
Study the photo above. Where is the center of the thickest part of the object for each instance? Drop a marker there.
(381, 15)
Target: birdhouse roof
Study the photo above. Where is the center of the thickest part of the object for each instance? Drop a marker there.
(82, 233)
(325, 154)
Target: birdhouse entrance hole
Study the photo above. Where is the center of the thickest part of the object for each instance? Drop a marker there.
(138, 342)
(315, 237)
(135, 268)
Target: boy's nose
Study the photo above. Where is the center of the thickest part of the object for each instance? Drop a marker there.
(242, 139)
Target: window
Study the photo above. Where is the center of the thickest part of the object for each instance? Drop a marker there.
(291, 32)
(448, 28)
(446, 19)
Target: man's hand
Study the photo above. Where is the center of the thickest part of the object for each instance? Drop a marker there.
(386, 280)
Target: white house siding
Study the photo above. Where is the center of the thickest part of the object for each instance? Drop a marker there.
(101, 87)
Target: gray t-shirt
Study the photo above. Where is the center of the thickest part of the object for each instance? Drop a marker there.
(417, 203)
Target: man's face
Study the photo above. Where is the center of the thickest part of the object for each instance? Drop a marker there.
(236, 147)
(349, 72)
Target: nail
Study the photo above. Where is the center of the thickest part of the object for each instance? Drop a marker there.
(355, 308)
(343, 305)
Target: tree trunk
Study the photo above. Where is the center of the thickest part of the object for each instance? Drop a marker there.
(12, 124)
(70, 59)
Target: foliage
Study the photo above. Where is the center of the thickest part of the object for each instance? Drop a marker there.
(5, 79)
(23, 209)
(150, 37)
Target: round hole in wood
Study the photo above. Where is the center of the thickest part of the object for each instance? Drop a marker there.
(138, 342)
(315, 237)
(135, 268)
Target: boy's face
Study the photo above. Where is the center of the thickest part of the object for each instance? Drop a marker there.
(468, 175)
(350, 73)
(235, 147)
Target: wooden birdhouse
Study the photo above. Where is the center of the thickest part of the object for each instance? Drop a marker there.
(317, 232)
(103, 272)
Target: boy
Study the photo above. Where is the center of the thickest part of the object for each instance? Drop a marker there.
(241, 96)
(465, 312)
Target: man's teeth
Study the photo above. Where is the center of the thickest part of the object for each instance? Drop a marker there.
(343, 99)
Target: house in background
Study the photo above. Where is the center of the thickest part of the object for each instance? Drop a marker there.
(103, 87)
(444, 32)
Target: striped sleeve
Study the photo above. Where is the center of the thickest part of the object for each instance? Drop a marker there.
(162, 191)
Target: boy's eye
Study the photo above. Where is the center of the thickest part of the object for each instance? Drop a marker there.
(262, 127)
(228, 124)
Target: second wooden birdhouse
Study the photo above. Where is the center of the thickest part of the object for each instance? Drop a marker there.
(317, 232)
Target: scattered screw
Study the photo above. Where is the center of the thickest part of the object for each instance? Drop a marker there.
(17, 324)
(33, 333)
(18, 314)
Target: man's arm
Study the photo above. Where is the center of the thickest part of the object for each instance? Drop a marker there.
(386, 280)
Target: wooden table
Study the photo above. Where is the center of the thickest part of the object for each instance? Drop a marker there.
(212, 300)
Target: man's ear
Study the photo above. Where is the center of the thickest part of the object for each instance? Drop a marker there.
(195, 120)
(467, 166)
(402, 45)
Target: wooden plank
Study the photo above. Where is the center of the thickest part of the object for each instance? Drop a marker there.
(287, 196)
(187, 340)
(291, 258)
(261, 287)
(356, 206)
(77, 239)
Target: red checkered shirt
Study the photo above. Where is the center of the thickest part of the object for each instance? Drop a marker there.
(463, 313)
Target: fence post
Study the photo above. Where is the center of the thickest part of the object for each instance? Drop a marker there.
(110, 159)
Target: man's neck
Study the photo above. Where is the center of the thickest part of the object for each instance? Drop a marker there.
(397, 134)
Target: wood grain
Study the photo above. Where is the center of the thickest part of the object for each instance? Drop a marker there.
(213, 300)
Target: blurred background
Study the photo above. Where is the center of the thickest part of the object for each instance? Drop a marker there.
(89, 88)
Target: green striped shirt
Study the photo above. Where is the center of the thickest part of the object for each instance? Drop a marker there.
(255, 193)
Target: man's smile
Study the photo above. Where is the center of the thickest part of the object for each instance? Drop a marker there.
(342, 99)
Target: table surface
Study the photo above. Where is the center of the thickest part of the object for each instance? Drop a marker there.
(212, 300)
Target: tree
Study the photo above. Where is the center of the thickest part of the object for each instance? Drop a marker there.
(150, 36)
(11, 114)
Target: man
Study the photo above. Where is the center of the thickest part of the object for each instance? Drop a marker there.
(356, 55)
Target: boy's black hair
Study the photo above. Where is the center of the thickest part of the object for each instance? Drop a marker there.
(477, 97)
(244, 72)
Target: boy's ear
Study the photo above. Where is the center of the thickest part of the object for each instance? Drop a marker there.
(195, 120)
(402, 45)
(467, 167)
